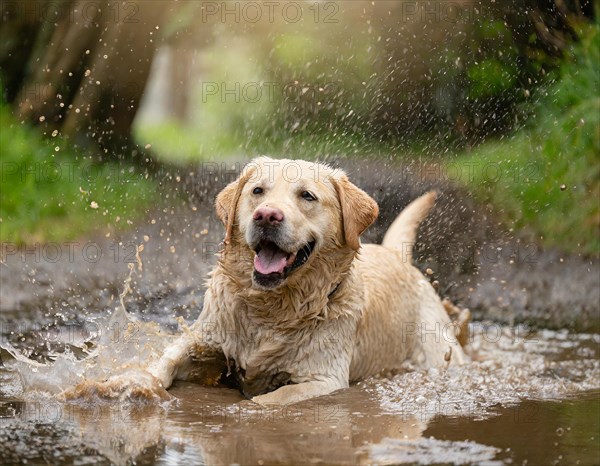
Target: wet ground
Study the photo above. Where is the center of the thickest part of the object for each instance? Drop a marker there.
(529, 396)
(207, 427)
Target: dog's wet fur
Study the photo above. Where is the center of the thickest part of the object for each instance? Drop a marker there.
(297, 307)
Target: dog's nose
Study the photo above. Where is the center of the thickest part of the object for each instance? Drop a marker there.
(268, 216)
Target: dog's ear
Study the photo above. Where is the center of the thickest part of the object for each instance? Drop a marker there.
(226, 203)
(359, 210)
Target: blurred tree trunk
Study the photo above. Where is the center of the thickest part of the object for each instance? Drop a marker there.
(180, 60)
(80, 67)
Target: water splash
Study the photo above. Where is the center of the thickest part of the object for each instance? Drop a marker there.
(507, 366)
(110, 366)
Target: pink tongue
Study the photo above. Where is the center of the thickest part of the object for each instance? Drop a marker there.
(269, 261)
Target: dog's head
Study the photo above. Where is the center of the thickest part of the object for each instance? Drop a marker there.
(291, 212)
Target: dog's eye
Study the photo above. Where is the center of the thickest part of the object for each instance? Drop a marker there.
(308, 196)
(257, 190)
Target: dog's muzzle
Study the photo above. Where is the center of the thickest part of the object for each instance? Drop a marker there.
(276, 256)
(273, 264)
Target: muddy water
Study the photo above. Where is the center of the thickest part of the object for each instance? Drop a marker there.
(207, 426)
(526, 398)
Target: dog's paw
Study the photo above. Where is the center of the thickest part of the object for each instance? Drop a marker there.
(249, 405)
(130, 386)
(269, 399)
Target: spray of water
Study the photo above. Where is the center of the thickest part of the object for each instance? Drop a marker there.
(112, 366)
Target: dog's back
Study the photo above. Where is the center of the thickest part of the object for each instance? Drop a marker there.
(403, 317)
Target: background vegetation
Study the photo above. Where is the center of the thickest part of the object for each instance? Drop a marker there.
(53, 192)
(551, 167)
(514, 84)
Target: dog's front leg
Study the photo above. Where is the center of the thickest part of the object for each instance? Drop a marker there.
(133, 383)
(175, 356)
(196, 343)
(301, 391)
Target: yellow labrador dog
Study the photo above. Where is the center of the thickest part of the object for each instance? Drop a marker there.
(297, 307)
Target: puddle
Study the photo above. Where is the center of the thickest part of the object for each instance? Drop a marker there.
(533, 432)
(209, 426)
(527, 398)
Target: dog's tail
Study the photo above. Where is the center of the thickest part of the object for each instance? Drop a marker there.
(402, 233)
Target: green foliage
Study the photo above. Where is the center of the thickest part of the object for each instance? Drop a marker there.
(491, 77)
(51, 194)
(551, 169)
(491, 61)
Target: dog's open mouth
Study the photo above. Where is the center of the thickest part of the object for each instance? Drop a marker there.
(272, 263)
